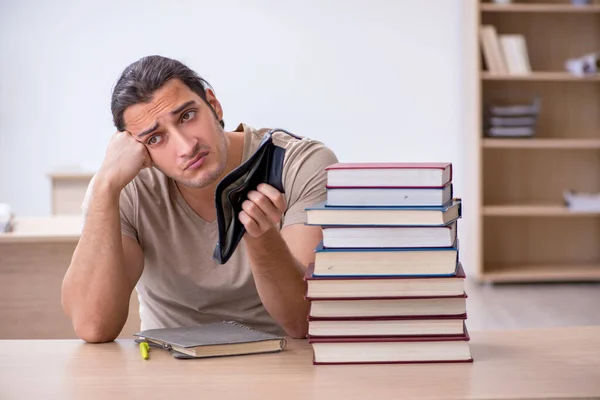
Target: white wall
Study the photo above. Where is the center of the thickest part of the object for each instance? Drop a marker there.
(376, 80)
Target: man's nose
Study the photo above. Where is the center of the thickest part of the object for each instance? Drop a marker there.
(185, 144)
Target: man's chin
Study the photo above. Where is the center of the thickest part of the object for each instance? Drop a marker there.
(197, 182)
(203, 177)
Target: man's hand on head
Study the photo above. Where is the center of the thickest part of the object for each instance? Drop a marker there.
(125, 158)
(263, 210)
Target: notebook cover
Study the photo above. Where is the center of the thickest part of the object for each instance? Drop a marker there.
(226, 332)
(460, 273)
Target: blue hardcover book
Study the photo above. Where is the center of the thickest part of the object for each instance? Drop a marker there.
(324, 215)
(439, 261)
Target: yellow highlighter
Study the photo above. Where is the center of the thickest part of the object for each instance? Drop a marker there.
(144, 349)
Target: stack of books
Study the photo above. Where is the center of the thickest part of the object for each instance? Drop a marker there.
(511, 120)
(387, 285)
(504, 54)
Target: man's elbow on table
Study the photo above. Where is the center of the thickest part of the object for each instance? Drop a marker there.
(94, 332)
(298, 330)
(87, 327)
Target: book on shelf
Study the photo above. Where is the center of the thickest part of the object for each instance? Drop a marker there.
(517, 118)
(515, 109)
(399, 349)
(511, 132)
(492, 51)
(504, 54)
(512, 121)
(515, 53)
(391, 174)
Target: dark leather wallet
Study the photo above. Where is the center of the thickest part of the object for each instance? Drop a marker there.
(264, 166)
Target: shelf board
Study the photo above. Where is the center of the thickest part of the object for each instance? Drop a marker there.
(541, 273)
(555, 76)
(535, 143)
(540, 8)
(534, 210)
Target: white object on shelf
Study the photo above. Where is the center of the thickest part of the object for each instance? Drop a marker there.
(584, 65)
(584, 202)
(6, 217)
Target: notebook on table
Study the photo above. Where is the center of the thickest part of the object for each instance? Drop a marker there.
(227, 338)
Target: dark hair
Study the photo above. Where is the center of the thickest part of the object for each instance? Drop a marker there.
(141, 79)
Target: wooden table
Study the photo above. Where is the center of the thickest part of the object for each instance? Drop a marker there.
(560, 362)
(33, 261)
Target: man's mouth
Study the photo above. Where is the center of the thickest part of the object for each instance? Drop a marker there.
(196, 162)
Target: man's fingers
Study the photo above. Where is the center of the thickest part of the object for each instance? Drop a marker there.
(274, 195)
(254, 212)
(251, 226)
(266, 205)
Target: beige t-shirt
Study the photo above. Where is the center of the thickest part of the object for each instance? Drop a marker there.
(181, 284)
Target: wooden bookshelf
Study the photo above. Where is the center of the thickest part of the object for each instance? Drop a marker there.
(522, 230)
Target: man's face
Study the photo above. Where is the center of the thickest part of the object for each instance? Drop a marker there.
(181, 133)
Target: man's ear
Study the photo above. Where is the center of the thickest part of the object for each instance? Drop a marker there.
(214, 103)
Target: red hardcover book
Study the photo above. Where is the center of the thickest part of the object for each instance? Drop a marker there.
(384, 286)
(393, 174)
(388, 307)
(392, 350)
(416, 325)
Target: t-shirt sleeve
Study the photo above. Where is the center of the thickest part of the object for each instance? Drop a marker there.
(127, 209)
(305, 180)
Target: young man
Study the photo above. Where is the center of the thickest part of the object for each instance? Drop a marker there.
(151, 218)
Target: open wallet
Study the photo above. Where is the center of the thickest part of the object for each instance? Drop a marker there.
(264, 166)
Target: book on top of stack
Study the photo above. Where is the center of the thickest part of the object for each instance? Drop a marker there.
(387, 284)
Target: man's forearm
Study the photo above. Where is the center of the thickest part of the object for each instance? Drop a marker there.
(96, 291)
(279, 280)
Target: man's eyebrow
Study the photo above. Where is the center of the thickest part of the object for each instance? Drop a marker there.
(175, 111)
(184, 105)
(148, 131)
